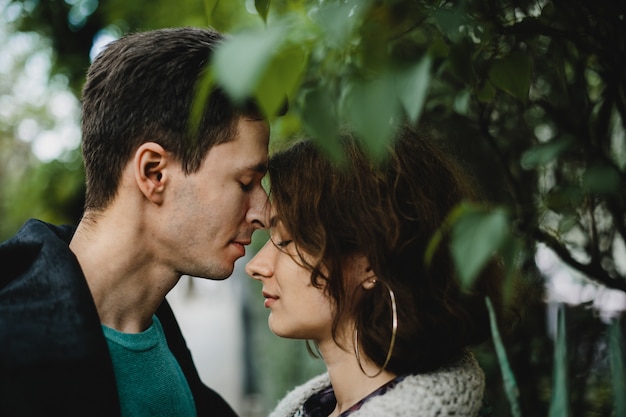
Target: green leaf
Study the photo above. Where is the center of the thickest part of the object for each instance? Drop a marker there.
(262, 8)
(544, 153)
(241, 61)
(618, 370)
(319, 116)
(476, 236)
(462, 102)
(557, 46)
(412, 87)
(435, 241)
(564, 199)
(510, 384)
(337, 20)
(204, 86)
(510, 251)
(559, 404)
(486, 93)
(601, 179)
(512, 75)
(209, 8)
(567, 223)
(280, 78)
(372, 109)
(450, 19)
(438, 48)
(461, 62)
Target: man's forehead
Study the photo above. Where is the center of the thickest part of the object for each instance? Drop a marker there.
(259, 167)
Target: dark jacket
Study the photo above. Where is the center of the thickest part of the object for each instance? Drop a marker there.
(54, 359)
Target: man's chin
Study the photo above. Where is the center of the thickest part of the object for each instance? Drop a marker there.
(219, 278)
(222, 274)
(216, 274)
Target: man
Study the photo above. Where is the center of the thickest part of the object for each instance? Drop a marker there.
(84, 325)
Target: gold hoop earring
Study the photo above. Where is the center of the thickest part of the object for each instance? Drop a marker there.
(394, 331)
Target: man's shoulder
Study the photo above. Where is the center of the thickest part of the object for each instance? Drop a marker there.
(34, 245)
(39, 229)
(45, 302)
(36, 232)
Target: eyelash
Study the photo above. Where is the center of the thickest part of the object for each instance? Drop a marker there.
(283, 244)
(246, 187)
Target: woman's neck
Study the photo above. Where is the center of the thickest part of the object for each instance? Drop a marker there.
(349, 383)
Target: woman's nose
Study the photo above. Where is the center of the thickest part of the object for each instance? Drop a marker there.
(259, 266)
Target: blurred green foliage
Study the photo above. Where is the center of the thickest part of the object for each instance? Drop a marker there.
(531, 95)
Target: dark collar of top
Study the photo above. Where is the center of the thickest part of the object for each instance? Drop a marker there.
(322, 403)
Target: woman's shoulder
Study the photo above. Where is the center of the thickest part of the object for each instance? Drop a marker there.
(296, 397)
(456, 389)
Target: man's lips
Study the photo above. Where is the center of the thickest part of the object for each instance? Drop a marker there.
(241, 245)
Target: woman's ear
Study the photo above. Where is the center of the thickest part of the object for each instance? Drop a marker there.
(149, 165)
(369, 283)
(363, 270)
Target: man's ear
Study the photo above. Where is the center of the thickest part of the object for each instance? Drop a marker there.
(149, 165)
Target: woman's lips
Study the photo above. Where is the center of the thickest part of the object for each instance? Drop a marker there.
(269, 299)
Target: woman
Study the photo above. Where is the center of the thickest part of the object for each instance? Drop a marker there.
(345, 268)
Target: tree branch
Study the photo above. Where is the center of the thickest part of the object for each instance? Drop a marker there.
(483, 124)
(593, 271)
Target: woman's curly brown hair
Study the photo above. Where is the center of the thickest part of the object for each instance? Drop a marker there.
(386, 210)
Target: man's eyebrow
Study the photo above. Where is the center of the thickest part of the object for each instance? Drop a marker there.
(261, 168)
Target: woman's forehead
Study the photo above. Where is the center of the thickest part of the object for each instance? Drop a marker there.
(275, 224)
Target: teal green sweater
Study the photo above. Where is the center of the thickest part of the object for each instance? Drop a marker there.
(149, 379)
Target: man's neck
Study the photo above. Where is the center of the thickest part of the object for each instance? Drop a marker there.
(126, 280)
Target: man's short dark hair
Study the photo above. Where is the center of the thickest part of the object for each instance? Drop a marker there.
(141, 88)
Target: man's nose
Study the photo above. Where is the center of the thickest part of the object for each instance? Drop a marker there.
(259, 213)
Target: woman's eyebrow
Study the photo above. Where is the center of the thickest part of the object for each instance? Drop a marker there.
(273, 221)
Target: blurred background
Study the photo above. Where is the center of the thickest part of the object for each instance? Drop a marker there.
(530, 95)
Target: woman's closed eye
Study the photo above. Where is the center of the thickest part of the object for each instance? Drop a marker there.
(282, 244)
(278, 235)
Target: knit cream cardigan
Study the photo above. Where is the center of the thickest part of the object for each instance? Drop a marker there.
(455, 390)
